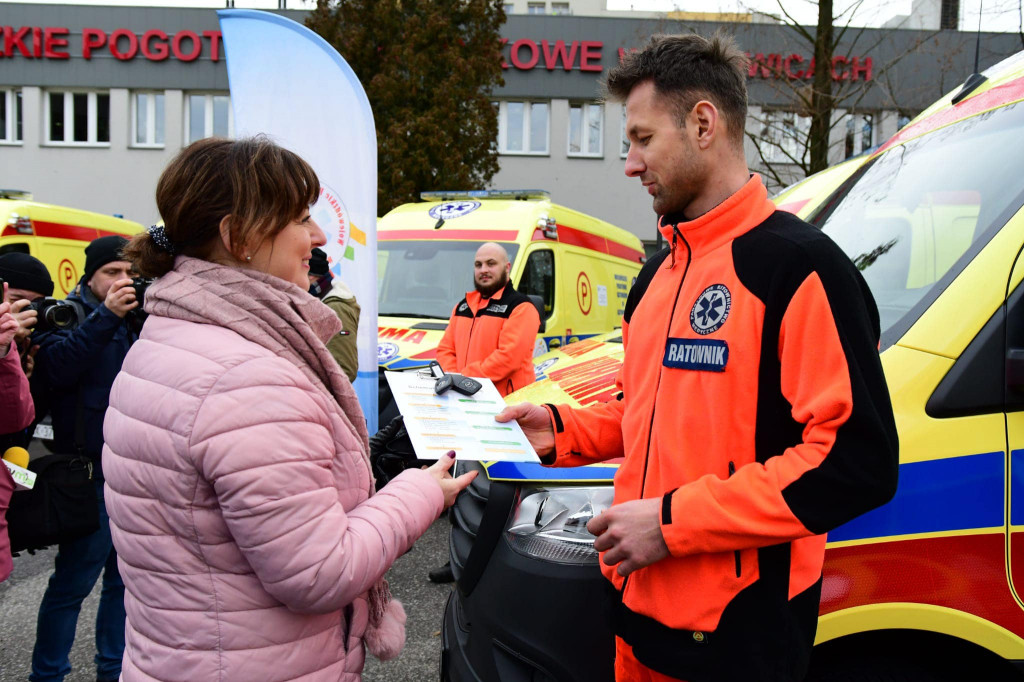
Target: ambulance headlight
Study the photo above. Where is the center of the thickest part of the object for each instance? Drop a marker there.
(551, 523)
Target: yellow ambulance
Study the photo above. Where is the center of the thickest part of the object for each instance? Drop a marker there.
(56, 235)
(579, 268)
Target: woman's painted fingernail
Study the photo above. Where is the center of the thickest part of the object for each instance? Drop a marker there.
(450, 454)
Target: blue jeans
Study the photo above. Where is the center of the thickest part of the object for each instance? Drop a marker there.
(76, 569)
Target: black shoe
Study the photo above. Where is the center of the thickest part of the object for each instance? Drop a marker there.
(442, 574)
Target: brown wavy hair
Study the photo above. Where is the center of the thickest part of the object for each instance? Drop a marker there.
(686, 69)
(259, 184)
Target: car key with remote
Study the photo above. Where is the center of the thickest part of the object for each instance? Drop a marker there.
(465, 385)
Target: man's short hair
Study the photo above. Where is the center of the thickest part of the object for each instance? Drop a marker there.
(686, 69)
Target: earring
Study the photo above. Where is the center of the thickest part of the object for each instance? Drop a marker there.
(248, 258)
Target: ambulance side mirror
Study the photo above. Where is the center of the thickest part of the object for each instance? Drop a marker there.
(538, 303)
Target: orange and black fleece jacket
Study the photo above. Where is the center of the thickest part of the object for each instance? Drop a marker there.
(492, 338)
(754, 406)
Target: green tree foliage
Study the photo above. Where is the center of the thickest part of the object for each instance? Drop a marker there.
(429, 68)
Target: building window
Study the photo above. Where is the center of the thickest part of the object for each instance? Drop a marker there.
(78, 118)
(623, 138)
(585, 127)
(535, 8)
(902, 122)
(784, 136)
(208, 116)
(148, 119)
(10, 115)
(508, 7)
(860, 134)
(523, 128)
(867, 132)
(560, 8)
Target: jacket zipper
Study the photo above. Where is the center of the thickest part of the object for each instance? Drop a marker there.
(675, 304)
(739, 564)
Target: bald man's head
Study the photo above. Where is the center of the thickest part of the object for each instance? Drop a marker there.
(490, 269)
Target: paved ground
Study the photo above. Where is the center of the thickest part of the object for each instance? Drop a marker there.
(424, 602)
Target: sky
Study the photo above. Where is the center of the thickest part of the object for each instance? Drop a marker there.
(996, 15)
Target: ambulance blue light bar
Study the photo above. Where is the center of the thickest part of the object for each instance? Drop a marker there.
(520, 194)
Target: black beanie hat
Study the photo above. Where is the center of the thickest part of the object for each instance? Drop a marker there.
(22, 271)
(102, 251)
(318, 263)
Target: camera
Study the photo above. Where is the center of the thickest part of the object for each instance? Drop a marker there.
(136, 317)
(54, 314)
(140, 284)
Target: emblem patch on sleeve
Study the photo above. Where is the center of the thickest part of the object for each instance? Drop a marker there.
(711, 309)
(706, 355)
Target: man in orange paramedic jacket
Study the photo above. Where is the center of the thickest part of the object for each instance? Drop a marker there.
(492, 330)
(754, 415)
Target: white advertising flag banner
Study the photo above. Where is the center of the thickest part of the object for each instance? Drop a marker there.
(291, 85)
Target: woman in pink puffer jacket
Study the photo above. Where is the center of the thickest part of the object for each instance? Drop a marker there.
(238, 482)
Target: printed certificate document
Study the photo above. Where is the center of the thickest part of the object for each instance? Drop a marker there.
(453, 421)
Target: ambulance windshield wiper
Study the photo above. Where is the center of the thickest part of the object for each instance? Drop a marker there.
(422, 315)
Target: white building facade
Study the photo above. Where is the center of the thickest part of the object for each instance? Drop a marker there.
(94, 101)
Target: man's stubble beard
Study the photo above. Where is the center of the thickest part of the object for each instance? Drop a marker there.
(494, 287)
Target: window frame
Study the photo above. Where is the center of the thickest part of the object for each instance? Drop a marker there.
(585, 108)
(151, 142)
(779, 146)
(207, 115)
(527, 109)
(534, 5)
(554, 279)
(92, 117)
(13, 130)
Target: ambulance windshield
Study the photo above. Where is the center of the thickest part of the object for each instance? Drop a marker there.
(913, 218)
(425, 278)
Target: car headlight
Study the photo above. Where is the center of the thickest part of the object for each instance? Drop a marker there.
(551, 523)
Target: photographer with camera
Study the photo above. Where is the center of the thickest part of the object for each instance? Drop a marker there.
(28, 286)
(29, 289)
(78, 364)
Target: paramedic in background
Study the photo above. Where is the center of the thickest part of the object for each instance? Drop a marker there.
(491, 334)
(754, 416)
(504, 325)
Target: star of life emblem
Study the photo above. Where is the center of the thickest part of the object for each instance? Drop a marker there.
(711, 309)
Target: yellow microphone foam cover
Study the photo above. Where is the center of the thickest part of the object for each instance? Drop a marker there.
(17, 457)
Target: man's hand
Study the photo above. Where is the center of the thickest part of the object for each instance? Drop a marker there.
(536, 424)
(28, 361)
(630, 535)
(27, 318)
(121, 297)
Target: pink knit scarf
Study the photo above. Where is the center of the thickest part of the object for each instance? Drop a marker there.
(279, 316)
